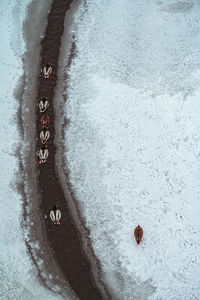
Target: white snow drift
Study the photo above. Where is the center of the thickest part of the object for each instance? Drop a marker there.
(133, 143)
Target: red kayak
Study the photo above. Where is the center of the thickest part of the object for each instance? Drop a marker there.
(138, 233)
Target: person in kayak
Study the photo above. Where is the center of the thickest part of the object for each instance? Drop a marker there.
(55, 215)
(45, 120)
(43, 154)
(138, 233)
(43, 105)
(44, 135)
(46, 71)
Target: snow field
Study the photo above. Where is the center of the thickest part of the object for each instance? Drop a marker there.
(13, 268)
(133, 143)
(18, 277)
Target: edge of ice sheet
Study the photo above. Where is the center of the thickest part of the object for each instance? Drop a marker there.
(133, 144)
(39, 248)
(19, 276)
(66, 55)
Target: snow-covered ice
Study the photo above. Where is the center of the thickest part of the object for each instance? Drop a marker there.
(133, 143)
(18, 277)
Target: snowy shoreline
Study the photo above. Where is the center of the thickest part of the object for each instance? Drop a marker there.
(67, 52)
(132, 143)
(62, 249)
(48, 269)
(132, 147)
(20, 278)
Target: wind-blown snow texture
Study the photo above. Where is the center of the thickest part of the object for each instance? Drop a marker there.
(18, 278)
(133, 143)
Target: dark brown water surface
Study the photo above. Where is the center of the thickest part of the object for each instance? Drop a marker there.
(64, 239)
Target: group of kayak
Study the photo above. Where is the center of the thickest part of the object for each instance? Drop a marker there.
(45, 119)
(43, 153)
